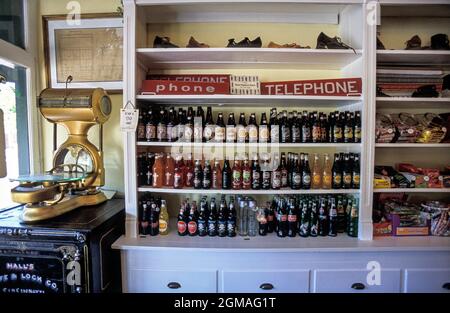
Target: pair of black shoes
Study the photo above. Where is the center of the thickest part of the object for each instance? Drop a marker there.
(245, 43)
(325, 42)
(438, 42)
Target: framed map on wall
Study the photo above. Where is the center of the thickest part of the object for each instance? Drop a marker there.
(90, 51)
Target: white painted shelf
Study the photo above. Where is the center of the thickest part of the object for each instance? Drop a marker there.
(412, 103)
(248, 192)
(252, 100)
(272, 243)
(412, 145)
(429, 58)
(247, 58)
(412, 190)
(262, 145)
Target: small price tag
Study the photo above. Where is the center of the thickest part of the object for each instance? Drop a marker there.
(129, 117)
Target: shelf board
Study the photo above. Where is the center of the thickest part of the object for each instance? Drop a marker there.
(428, 58)
(412, 190)
(412, 145)
(246, 58)
(254, 100)
(247, 192)
(272, 243)
(409, 103)
(261, 145)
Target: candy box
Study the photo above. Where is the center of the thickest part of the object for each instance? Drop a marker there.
(422, 228)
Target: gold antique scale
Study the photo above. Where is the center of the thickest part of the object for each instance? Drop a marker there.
(77, 171)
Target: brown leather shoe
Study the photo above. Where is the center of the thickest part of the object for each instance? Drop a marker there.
(414, 43)
(287, 45)
(195, 44)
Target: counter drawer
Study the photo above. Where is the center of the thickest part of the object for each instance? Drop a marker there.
(265, 281)
(354, 281)
(145, 280)
(427, 280)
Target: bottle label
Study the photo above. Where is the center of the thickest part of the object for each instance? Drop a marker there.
(283, 217)
(181, 226)
(337, 179)
(292, 218)
(316, 133)
(337, 132)
(266, 175)
(356, 179)
(150, 132)
(246, 176)
(208, 132)
(177, 180)
(236, 176)
(206, 183)
(316, 179)
(252, 134)
(197, 181)
(192, 227)
(348, 133)
(357, 132)
(188, 132)
(306, 133)
(231, 227)
(211, 226)
(327, 179)
(170, 133)
(201, 226)
(276, 179)
(231, 134)
(162, 225)
(189, 177)
(241, 133)
(297, 178)
(296, 134)
(306, 179)
(222, 227)
(219, 133)
(347, 179)
(274, 133)
(263, 133)
(162, 132)
(174, 134)
(141, 131)
(284, 178)
(198, 133)
(285, 134)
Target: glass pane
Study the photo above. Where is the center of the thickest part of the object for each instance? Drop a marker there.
(14, 106)
(12, 22)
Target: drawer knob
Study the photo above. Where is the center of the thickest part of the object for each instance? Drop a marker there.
(446, 286)
(358, 286)
(266, 286)
(174, 285)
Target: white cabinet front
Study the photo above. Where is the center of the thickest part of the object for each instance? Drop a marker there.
(356, 281)
(265, 281)
(145, 280)
(427, 280)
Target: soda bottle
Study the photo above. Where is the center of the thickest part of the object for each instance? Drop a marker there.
(202, 223)
(182, 221)
(216, 176)
(150, 127)
(285, 129)
(140, 132)
(231, 129)
(208, 132)
(336, 173)
(198, 175)
(241, 129)
(189, 173)
(219, 130)
(356, 172)
(327, 175)
(306, 174)
(252, 221)
(323, 219)
(181, 124)
(161, 129)
(274, 126)
(357, 130)
(246, 175)
(333, 220)
(270, 218)
(316, 129)
(283, 223)
(292, 220)
(330, 129)
(348, 128)
(212, 219)
(222, 218)
(341, 216)
(243, 217)
(171, 134)
(306, 128)
(189, 128)
(178, 176)
(263, 129)
(256, 173)
(261, 216)
(144, 220)
(314, 220)
(304, 228)
(266, 174)
(158, 171)
(353, 221)
(236, 175)
(231, 220)
(276, 174)
(154, 219)
(206, 182)
(338, 136)
(296, 130)
(284, 171)
(316, 173)
(163, 219)
(169, 171)
(226, 175)
(252, 129)
(347, 173)
(192, 222)
(296, 174)
(149, 166)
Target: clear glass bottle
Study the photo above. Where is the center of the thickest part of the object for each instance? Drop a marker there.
(243, 218)
(252, 222)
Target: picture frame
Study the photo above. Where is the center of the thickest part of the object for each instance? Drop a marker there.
(90, 51)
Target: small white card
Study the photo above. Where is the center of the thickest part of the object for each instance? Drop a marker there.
(129, 117)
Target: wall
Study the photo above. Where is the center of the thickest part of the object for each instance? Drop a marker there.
(113, 145)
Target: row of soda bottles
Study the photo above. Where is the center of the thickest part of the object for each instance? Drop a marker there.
(169, 126)
(287, 216)
(294, 172)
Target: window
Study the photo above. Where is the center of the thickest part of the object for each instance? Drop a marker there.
(12, 22)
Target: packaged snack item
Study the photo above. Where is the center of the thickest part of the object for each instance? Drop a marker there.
(434, 128)
(440, 219)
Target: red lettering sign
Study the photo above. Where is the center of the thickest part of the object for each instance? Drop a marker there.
(169, 87)
(194, 78)
(320, 87)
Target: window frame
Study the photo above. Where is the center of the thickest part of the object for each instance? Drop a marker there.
(27, 58)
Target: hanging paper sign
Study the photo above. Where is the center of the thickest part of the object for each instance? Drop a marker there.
(129, 117)
(320, 87)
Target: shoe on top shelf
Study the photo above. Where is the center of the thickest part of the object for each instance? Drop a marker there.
(163, 42)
